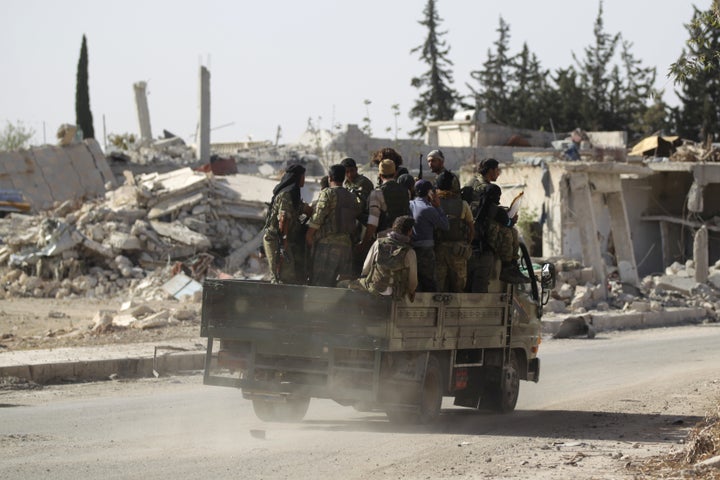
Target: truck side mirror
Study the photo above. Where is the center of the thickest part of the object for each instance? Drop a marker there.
(547, 276)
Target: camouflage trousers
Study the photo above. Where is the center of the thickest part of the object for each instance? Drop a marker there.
(288, 268)
(451, 266)
(427, 276)
(503, 241)
(330, 261)
(480, 269)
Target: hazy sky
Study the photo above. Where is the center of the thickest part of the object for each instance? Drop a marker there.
(281, 62)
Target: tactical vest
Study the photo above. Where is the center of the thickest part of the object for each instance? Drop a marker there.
(346, 211)
(397, 201)
(389, 268)
(479, 208)
(453, 208)
(478, 196)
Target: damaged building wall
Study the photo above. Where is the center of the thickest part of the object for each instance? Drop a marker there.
(49, 174)
(581, 209)
(664, 222)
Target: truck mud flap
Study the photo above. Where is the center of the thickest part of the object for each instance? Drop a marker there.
(533, 372)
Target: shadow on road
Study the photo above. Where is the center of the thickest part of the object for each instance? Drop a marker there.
(558, 424)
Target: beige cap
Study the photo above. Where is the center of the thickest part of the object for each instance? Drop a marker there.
(387, 167)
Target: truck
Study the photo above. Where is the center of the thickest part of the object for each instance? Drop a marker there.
(285, 344)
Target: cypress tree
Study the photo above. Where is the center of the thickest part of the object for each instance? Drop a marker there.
(438, 99)
(83, 115)
(493, 93)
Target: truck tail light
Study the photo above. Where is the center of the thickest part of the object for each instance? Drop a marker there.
(461, 378)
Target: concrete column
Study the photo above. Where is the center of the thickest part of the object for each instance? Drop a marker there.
(203, 137)
(142, 110)
(585, 218)
(695, 197)
(666, 241)
(701, 255)
(620, 227)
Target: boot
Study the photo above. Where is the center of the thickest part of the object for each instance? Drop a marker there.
(510, 273)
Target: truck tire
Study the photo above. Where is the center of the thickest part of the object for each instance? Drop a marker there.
(429, 399)
(504, 395)
(292, 410)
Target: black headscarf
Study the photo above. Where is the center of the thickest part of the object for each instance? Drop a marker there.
(290, 182)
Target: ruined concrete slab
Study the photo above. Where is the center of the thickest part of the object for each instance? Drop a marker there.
(173, 204)
(676, 283)
(180, 233)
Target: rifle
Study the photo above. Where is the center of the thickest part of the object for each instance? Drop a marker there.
(420, 162)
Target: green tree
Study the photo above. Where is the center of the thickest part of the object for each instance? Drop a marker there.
(437, 98)
(15, 137)
(636, 93)
(565, 101)
(596, 76)
(83, 115)
(701, 56)
(493, 91)
(529, 92)
(699, 115)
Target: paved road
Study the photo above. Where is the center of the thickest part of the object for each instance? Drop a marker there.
(599, 403)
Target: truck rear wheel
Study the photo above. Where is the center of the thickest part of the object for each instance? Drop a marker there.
(292, 410)
(430, 398)
(504, 395)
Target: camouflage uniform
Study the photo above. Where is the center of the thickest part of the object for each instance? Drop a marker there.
(334, 219)
(390, 268)
(289, 268)
(489, 235)
(452, 249)
(362, 186)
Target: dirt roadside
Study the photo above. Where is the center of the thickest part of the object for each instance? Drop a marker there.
(41, 323)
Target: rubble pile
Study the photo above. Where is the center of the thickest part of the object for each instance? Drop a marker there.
(142, 316)
(171, 150)
(576, 293)
(139, 236)
(695, 153)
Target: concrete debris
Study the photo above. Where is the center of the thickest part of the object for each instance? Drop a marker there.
(695, 153)
(676, 288)
(142, 317)
(137, 238)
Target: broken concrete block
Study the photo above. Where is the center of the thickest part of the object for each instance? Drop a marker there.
(124, 320)
(84, 283)
(124, 241)
(141, 311)
(184, 315)
(674, 268)
(180, 233)
(159, 319)
(102, 321)
(676, 283)
(566, 291)
(714, 279)
(555, 306)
